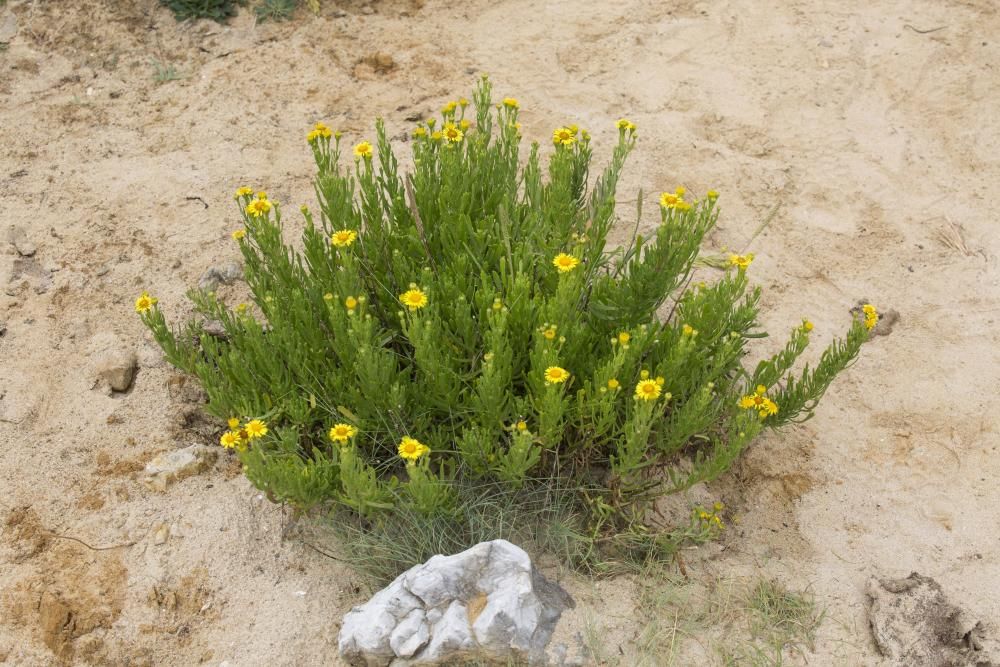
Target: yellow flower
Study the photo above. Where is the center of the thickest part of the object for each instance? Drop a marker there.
(259, 207)
(522, 425)
(550, 333)
(436, 135)
(241, 308)
(233, 423)
(255, 428)
(412, 449)
(807, 326)
(419, 132)
(556, 375)
(145, 303)
(238, 234)
(624, 337)
(319, 130)
(647, 390)
(759, 402)
(463, 102)
(674, 200)
(712, 194)
(497, 304)
(680, 190)
(871, 316)
(261, 195)
(350, 303)
(563, 136)
(448, 108)
(451, 133)
(343, 238)
(465, 124)
(413, 298)
(342, 432)
(741, 261)
(230, 439)
(363, 150)
(243, 192)
(625, 124)
(511, 103)
(565, 263)
(613, 384)
(689, 330)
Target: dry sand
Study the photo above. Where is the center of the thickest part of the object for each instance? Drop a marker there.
(873, 124)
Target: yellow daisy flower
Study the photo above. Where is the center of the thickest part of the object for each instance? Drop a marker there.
(550, 333)
(759, 402)
(556, 375)
(712, 194)
(238, 234)
(624, 338)
(255, 428)
(343, 238)
(243, 192)
(688, 330)
(448, 108)
(419, 132)
(565, 263)
(233, 423)
(230, 439)
(741, 261)
(342, 432)
(647, 390)
(452, 133)
(807, 326)
(259, 207)
(350, 303)
(563, 136)
(522, 426)
(511, 103)
(363, 150)
(145, 303)
(413, 298)
(465, 124)
(613, 384)
(412, 449)
(625, 124)
(871, 316)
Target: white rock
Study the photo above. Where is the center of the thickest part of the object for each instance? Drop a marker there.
(178, 464)
(113, 364)
(486, 602)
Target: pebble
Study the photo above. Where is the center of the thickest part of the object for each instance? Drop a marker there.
(113, 364)
(161, 534)
(223, 274)
(18, 238)
(174, 466)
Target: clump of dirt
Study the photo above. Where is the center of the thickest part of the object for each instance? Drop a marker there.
(25, 534)
(68, 598)
(914, 623)
(182, 605)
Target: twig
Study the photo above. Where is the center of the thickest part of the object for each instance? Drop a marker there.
(321, 552)
(197, 199)
(93, 548)
(923, 32)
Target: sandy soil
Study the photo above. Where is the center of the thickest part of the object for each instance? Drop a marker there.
(872, 124)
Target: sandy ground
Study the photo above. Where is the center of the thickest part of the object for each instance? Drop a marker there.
(872, 124)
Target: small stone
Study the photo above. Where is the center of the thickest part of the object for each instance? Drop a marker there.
(18, 238)
(161, 534)
(27, 272)
(174, 466)
(220, 275)
(113, 364)
(367, 10)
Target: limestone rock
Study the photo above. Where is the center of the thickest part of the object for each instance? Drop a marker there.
(220, 275)
(913, 623)
(488, 602)
(174, 466)
(113, 364)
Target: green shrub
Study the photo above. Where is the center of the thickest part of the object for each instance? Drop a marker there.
(467, 324)
(217, 10)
